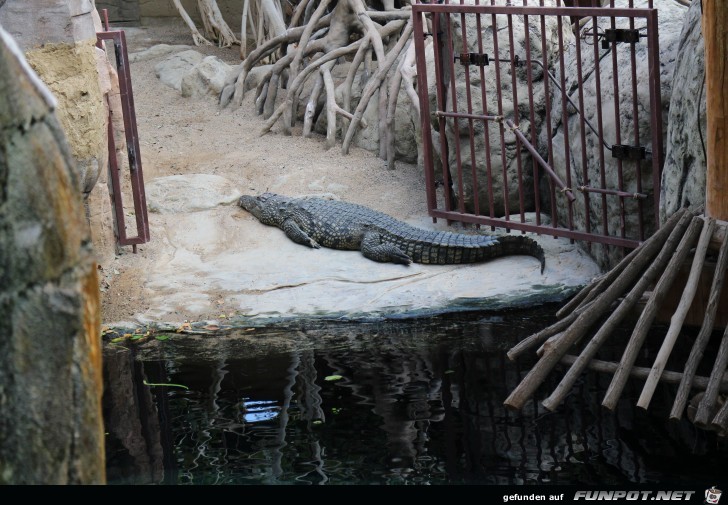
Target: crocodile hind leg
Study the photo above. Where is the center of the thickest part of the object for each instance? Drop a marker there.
(297, 234)
(373, 248)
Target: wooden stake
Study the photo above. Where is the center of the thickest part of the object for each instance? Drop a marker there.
(639, 372)
(585, 320)
(715, 27)
(711, 392)
(658, 266)
(614, 391)
(588, 293)
(720, 421)
(696, 353)
(678, 317)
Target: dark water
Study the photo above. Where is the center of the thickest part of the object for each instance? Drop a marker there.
(418, 402)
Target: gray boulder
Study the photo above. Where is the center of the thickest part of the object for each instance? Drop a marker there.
(683, 176)
(156, 51)
(207, 78)
(171, 70)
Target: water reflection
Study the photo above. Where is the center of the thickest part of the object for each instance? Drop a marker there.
(417, 402)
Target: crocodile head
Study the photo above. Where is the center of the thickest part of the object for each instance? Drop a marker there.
(269, 208)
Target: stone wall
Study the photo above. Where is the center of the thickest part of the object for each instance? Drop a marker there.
(50, 358)
(60, 47)
(683, 176)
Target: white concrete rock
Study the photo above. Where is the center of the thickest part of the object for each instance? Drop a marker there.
(156, 51)
(171, 70)
(207, 78)
(189, 193)
(683, 176)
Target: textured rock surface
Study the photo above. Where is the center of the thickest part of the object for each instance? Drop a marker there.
(171, 70)
(50, 361)
(206, 78)
(156, 51)
(670, 15)
(683, 176)
(189, 193)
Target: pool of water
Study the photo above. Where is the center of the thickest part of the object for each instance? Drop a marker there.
(392, 402)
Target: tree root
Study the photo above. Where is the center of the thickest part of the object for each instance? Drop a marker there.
(377, 40)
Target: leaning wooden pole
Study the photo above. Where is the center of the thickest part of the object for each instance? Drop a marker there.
(715, 34)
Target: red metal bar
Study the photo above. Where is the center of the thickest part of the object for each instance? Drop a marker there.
(499, 87)
(532, 115)
(486, 127)
(426, 126)
(469, 100)
(636, 121)
(455, 126)
(618, 129)
(441, 105)
(658, 154)
(514, 91)
(559, 232)
(624, 194)
(483, 117)
(565, 117)
(582, 134)
(600, 125)
(132, 143)
(541, 161)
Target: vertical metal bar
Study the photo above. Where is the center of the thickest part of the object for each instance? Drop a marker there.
(486, 126)
(455, 125)
(425, 125)
(617, 128)
(549, 132)
(441, 92)
(473, 164)
(565, 117)
(582, 137)
(532, 116)
(517, 120)
(499, 88)
(600, 124)
(636, 121)
(132, 139)
(653, 55)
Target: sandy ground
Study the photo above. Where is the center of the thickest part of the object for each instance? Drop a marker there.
(181, 136)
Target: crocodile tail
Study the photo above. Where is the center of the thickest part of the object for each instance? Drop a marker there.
(519, 244)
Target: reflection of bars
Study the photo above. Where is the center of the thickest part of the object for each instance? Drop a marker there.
(460, 114)
(132, 143)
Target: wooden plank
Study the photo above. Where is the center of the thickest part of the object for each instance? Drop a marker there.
(715, 28)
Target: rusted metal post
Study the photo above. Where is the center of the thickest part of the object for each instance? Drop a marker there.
(715, 33)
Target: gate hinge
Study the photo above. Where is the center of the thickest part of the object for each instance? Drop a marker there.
(627, 152)
(472, 59)
(630, 36)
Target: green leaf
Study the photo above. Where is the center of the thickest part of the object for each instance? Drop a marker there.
(164, 384)
(447, 372)
(317, 422)
(137, 336)
(162, 337)
(332, 378)
(117, 340)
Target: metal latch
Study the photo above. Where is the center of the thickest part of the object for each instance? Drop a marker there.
(472, 59)
(627, 152)
(630, 36)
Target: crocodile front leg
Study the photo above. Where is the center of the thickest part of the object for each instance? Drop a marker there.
(372, 248)
(297, 234)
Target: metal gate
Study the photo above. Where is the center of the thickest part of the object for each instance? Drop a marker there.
(525, 117)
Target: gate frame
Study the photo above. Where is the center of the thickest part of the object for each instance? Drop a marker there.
(649, 14)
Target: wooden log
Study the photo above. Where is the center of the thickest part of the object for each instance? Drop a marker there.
(586, 319)
(675, 240)
(591, 291)
(541, 336)
(715, 27)
(700, 382)
(720, 421)
(575, 302)
(696, 353)
(639, 333)
(711, 392)
(678, 317)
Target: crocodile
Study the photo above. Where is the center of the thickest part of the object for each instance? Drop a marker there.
(316, 222)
